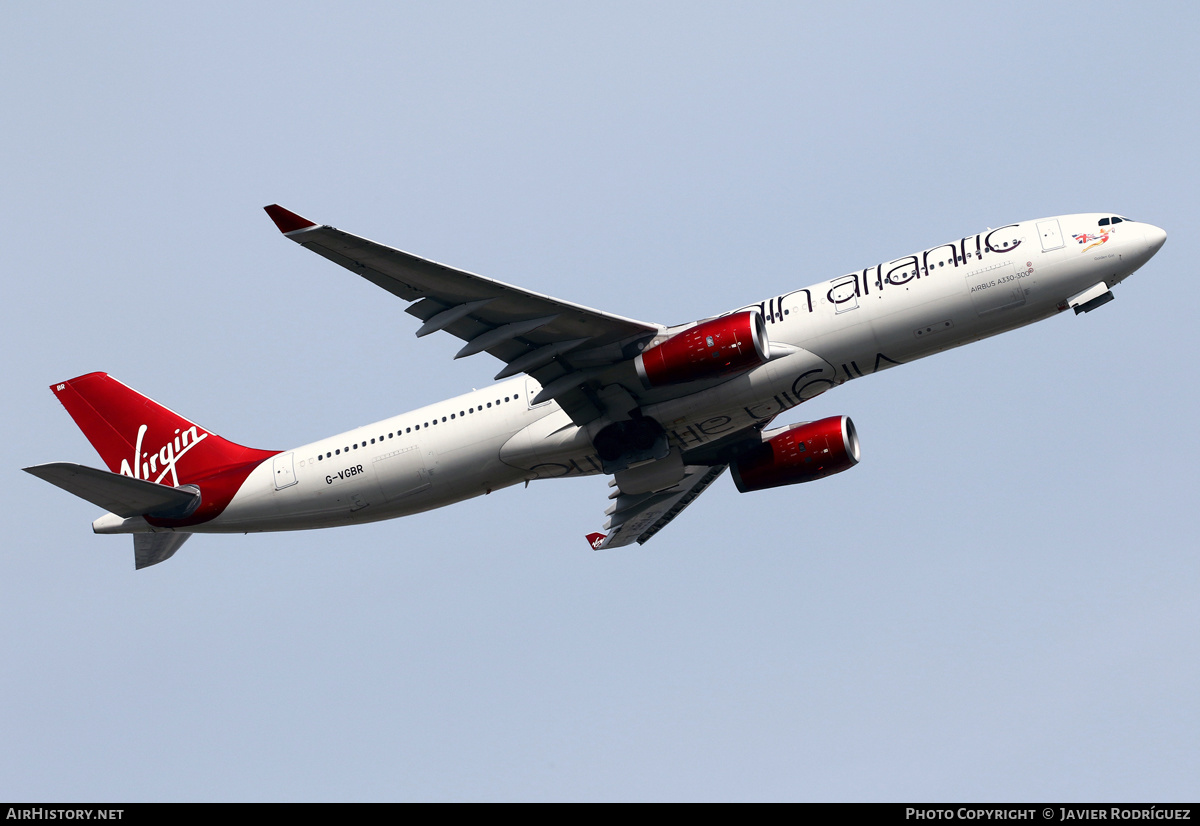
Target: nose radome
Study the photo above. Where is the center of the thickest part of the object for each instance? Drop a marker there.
(1155, 238)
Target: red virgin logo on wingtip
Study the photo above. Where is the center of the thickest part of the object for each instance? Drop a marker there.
(596, 540)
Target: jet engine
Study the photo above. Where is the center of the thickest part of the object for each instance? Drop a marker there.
(800, 453)
(718, 347)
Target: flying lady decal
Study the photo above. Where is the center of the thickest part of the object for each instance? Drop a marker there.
(1093, 240)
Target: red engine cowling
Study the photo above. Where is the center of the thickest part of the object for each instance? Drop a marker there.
(718, 347)
(802, 453)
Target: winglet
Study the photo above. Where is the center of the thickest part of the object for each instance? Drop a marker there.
(286, 220)
(595, 540)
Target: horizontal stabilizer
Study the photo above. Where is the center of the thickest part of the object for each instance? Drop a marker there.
(122, 495)
(153, 548)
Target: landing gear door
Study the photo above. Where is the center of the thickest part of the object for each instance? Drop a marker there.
(285, 472)
(1051, 235)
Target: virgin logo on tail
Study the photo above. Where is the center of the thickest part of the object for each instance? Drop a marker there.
(163, 461)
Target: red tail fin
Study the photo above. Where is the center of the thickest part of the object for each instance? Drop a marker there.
(138, 437)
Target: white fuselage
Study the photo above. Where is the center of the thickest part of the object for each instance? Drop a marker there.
(836, 330)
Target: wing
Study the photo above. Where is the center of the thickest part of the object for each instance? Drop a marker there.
(636, 518)
(562, 345)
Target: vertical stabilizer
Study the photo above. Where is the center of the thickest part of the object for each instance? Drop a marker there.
(139, 438)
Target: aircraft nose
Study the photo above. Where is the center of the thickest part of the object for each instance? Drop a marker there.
(1155, 238)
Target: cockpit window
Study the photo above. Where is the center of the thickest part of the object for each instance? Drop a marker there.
(1117, 220)
(1103, 222)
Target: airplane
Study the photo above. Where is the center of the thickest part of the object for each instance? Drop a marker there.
(662, 410)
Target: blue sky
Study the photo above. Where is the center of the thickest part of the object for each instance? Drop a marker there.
(998, 603)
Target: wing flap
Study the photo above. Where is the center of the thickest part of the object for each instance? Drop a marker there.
(638, 518)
